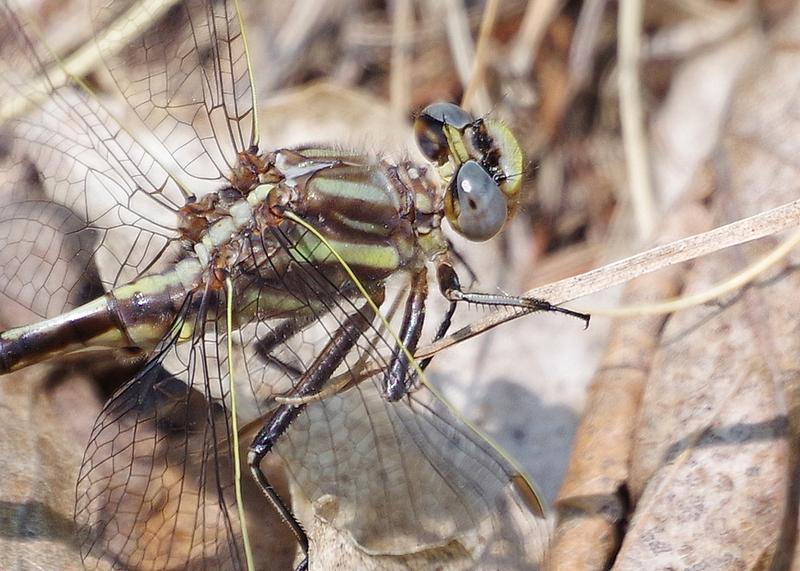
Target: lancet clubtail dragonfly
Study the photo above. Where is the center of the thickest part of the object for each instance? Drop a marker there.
(165, 242)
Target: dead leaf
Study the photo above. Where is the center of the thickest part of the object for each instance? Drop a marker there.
(712, 460)
(41, 450)
(592, 504)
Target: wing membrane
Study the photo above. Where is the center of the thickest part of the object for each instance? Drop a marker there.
(156, 487)
(197, 48)
(46, 260)
(405, 477)
(123, 201)
(402, 477)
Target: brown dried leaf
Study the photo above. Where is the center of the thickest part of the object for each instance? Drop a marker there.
(713, 460)
(592, 503)
(45, 425)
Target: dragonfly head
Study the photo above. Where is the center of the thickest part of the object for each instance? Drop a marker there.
(480, 162)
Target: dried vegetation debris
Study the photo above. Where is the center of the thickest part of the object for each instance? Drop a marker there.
(704, 473)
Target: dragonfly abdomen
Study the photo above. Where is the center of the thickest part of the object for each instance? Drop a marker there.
(135, 316)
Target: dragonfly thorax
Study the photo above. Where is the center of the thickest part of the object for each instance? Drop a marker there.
(364, 209)
(379, 217)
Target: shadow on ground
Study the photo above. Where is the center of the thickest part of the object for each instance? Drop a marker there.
(536, 434)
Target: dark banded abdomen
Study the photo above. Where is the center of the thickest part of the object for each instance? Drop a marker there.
(135, 316)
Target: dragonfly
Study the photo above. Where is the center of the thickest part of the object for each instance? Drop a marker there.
(198, 259)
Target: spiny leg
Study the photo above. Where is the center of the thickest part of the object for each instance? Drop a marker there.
(323, 367)
(396, 384)
(451, 289)
(444, 327)
(287, 329)
(395, 381)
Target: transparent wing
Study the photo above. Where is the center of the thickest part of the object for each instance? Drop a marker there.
(156, 486)
(399, 478)
(46, 260)
(120, 202)
(187, 77)
(402, 478)
(156, 489)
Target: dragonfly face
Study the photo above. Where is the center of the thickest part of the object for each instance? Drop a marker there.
(480, 162)
(301, 236)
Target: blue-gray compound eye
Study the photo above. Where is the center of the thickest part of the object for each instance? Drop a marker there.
(474, 204)
(449, 113)
(429, 129)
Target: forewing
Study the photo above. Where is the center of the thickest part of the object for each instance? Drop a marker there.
(121, 204)
(400, 478)
(187, 78)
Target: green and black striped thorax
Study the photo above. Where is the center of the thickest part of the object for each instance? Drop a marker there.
(379, 217)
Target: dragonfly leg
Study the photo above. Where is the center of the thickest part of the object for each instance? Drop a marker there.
(287, 329)
(444, 327)
(447, 320)
(451, 289)
(275, 337)
(458, 256)
(323, 367)
(395, 381)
